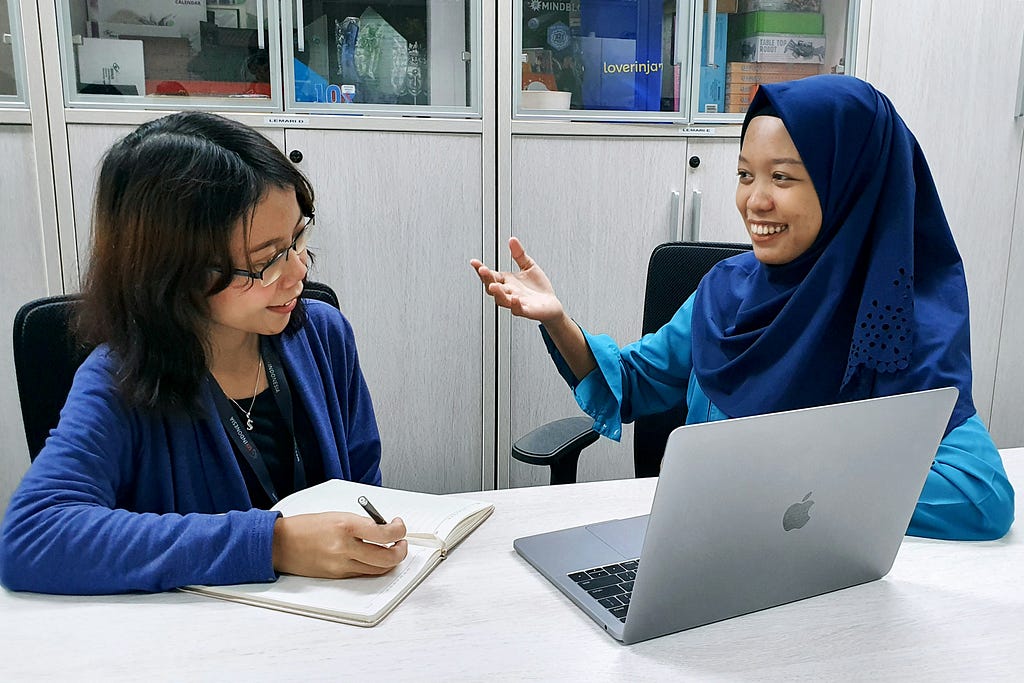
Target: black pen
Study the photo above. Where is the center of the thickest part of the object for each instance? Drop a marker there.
(370, 510)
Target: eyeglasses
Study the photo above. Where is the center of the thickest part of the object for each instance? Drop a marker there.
(274, 269)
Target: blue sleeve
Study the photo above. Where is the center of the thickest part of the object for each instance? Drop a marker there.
(967, 496)
(73, 525)
(362, 438)
(648, 376)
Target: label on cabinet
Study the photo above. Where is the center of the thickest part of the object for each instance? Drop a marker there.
(278, 120)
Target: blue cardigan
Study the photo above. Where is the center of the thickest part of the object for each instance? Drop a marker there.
(966, 495)
(122, 499)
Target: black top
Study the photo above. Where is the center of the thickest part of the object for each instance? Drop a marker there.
(271, 437)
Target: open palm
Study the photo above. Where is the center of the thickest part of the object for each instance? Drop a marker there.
(527, 293)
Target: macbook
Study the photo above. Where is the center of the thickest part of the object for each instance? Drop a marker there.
(752, 513)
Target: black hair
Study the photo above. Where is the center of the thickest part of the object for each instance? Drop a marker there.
(168, 199)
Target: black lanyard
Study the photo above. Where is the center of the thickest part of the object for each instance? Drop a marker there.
(278, 382)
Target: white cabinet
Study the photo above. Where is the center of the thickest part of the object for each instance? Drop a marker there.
(589, 210)
(24, 278)
(1007, 421)
(399, 216)
(956, 88)
(710, 213)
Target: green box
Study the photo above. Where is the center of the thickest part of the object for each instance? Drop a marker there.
(751, 24)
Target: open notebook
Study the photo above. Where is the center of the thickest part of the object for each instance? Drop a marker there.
(435, 525)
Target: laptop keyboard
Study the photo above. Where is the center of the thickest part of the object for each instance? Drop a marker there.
(611, 585)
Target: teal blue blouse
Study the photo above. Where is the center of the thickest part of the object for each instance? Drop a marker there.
(966, 495)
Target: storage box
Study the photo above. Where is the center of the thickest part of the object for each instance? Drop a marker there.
(615, 78)
(711, 89)
(166, 59)
(156, 18)
(746, 79)
(743, 99)
(724, 6)
(782, 48)
(747, 89)
(752, 23)
(780, 5)
(108, 66)
(793, 70)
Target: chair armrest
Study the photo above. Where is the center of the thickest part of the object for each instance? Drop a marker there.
(557, 444)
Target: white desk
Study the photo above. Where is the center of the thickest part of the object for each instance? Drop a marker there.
(946, 611)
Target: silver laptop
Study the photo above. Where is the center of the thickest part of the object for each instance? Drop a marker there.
(752, 513)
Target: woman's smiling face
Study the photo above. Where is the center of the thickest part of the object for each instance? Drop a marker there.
(775, 195)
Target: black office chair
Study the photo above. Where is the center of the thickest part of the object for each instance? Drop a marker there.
(674, 271)
(47, 355)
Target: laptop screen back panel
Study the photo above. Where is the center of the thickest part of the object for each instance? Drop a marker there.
(719, 542)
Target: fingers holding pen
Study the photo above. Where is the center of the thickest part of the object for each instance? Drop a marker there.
(336, 545)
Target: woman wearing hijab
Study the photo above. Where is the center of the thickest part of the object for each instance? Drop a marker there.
(854, 289)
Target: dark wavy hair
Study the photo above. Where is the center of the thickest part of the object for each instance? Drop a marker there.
(169, 196)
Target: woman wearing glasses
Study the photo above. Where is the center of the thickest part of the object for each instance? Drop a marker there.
(214, 391)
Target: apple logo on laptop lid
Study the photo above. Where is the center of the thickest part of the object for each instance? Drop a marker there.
(798, 514)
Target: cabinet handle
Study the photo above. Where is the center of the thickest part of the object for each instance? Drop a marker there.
(1020, 86)
(712, 20)
(299, 28)
(8, 39)
(677, 216)
(693, 234)
(261, 38)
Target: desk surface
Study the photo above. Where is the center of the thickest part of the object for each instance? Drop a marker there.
(945, 611)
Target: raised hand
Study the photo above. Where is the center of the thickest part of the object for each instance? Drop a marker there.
(335, 545)
(527, 293)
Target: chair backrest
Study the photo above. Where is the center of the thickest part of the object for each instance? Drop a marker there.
(674, 271)
(47, 355)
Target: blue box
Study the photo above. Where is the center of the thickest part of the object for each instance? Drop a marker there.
(621, 51)
(711, 89)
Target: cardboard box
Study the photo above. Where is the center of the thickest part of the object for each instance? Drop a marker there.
(764, 68)
(789, 48)
(752, 23)
(780, 5)
(747, 89)
(724, 6)
(749, 79)
(165, 59)
(739, 98)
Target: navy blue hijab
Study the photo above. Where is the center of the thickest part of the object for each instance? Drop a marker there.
(876, 306)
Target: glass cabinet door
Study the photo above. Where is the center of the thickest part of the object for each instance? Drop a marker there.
(11, 55)
(671, 60)
(172, 54)
(386, 56)
(595, 57)
(745, 43)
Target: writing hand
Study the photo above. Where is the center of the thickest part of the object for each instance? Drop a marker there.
(334, 545)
